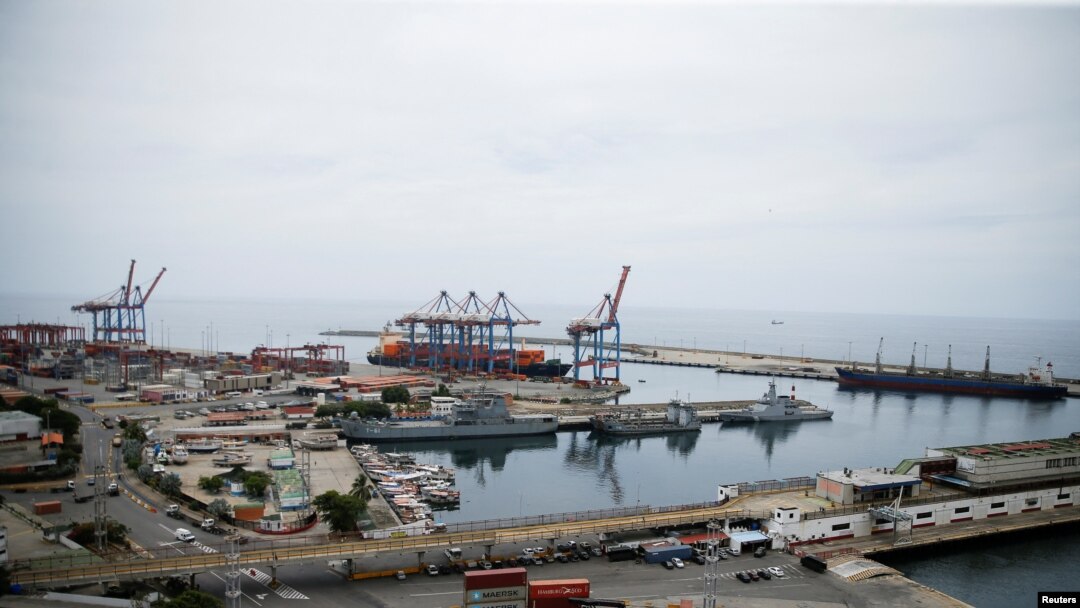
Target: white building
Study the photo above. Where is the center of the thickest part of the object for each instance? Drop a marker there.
(19, 426)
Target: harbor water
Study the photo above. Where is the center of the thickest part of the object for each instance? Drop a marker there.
(576, 471)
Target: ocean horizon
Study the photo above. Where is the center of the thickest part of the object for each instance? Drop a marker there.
(240, 324)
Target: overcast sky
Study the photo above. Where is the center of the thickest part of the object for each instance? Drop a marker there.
(902, 159)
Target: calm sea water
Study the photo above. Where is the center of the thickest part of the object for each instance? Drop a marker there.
(574, 471)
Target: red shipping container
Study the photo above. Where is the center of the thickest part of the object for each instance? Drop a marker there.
(490, 579)
(47, 507)
(560, 588)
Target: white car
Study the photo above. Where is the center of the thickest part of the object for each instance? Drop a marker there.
(777, 572)
(678, 562)
(184, 535)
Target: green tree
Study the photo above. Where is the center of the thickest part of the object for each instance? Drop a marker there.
(256, 482)
(395, 394)
(135, 432)
(328, 410)
(211, 484)
(170, 485)
(145, 472)
(360, 488)
(191, 599)
(218, 508)
(442, 391)
(339, 511)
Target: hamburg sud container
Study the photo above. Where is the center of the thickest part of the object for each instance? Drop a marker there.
(557, 593)
(496, 588)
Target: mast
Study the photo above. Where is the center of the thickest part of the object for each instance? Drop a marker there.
(911, 366)
(877, 359)
(948, 364)
(986, 365)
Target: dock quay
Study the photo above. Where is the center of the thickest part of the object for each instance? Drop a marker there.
(706, 412)
(947, 495)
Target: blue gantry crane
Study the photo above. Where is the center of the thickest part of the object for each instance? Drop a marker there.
(120, 316)
(587, 333)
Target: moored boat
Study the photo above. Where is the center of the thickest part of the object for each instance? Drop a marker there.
(482, 415)
(394, 351)
(776, 408)
(680, 417)
(1037, 383)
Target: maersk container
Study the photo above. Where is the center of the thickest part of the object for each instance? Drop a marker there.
(656, 555)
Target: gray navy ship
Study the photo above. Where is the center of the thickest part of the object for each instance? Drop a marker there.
(481, 415)
(776, 408)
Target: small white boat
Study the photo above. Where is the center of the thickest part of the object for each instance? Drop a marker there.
(319, 442)
(232, 459)
(179, 455)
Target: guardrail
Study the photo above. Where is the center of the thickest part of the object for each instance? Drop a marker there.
(309, 549)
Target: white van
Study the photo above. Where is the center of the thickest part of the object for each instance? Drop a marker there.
(184, 535)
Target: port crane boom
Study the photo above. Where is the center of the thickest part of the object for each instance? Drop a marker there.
(588, 332)
(120, 316)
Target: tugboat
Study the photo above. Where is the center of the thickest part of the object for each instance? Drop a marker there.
(681, 417)
(776, 408)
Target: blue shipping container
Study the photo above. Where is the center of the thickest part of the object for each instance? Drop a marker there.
(662, 554)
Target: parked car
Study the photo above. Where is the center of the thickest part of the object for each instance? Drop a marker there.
(670, 565)
(742, 576)
(764, 574)
(597, 551)
(537, 561)
(400, 575)
(754, 575)
(777, 572)
(759, 552)
(562, 558)
(485, 564)
(584, 555)
(699, 559)
(678, 562)
(432, 570)
(91, 481)
(446, 569)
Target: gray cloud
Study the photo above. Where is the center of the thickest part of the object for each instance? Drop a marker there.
(744, 156)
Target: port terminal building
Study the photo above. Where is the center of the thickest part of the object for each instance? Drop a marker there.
(945, 486)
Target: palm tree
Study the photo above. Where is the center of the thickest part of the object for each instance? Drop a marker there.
(360, 488)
